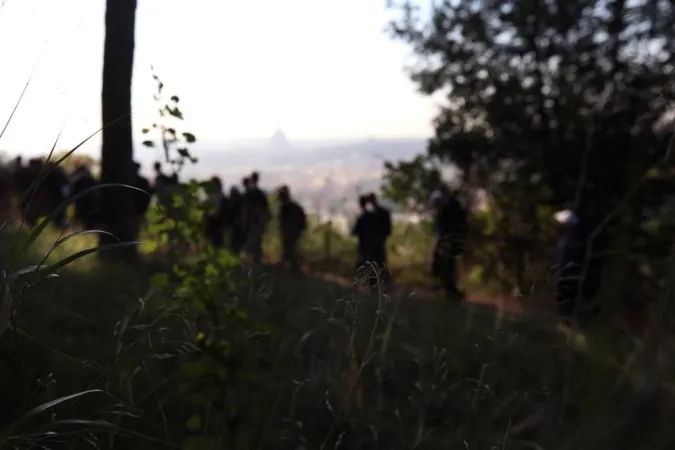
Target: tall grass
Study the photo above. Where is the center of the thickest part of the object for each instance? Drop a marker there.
(200, 351)
(106, 356)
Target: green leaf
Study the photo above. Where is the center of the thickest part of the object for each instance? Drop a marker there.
(149, 144)
(184, 153)
(175, 112)
(189, 137)
(145, 130)
(194, 423)
(200, 443)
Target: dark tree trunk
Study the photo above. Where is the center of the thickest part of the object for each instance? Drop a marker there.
(117, 149)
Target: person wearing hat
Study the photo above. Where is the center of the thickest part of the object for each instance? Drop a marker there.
(451, 228)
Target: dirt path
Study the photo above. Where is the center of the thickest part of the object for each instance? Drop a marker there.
(502, 304)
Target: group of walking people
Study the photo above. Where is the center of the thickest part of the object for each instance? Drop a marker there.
(244, 214)
(241, 218)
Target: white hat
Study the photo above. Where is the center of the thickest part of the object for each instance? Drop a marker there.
(436, 196)
(566, 217)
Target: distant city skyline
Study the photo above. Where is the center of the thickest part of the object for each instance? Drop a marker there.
(317, 70)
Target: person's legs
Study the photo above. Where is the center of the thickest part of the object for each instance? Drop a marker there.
(566, 295)
(237, 239)
(449, 279)
(254, 247)
(218, 238)
(290, 253)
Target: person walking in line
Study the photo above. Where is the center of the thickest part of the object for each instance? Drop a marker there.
(381, 231)
(292, 224)
(451, 229)
(215, 222)
(257, 213)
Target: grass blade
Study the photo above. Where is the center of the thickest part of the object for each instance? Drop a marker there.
(37, 231)
(81, 254)
(23, 92)
(45, 406)
(42, 408)
(112, 428)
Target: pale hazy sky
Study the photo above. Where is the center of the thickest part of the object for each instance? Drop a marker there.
(318, 69)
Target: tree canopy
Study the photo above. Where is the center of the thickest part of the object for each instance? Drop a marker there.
(556, 99)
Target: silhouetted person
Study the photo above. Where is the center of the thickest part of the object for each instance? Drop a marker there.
(292, 224)
(162, 187)
(380, 235)
(17, 168)
(576, 275)
(40, 192)
(235, 221)
(363, 231)
(451, 229)
(86, 206)
(6, 192)
(17, 164)
(31, 195)
(161, 179)
(141, 200)
(215, 222)
(58, 190)
(257, 215)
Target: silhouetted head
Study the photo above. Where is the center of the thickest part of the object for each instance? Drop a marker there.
(372, 198)
(81, 169)
(234, 192)
(437, 198)
(246, 182)
(284, 193)
(217, 182)
(255, 177)
(566, 219)
(363, 201)
(158, 166)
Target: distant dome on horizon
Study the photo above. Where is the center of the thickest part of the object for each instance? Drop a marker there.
(279, 141)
